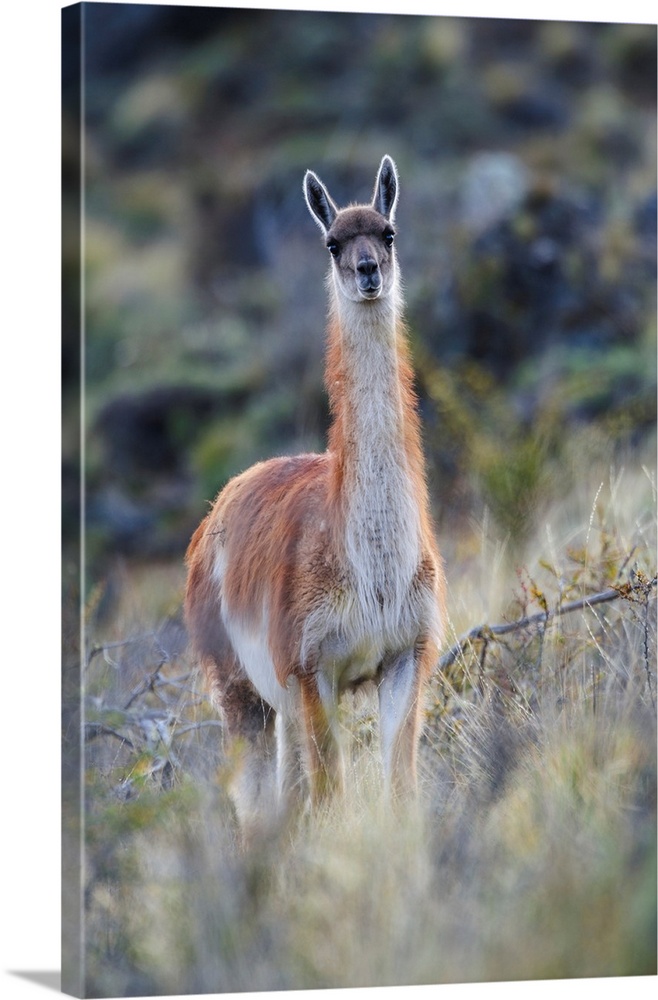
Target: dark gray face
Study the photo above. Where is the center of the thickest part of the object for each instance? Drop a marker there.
(360, 241)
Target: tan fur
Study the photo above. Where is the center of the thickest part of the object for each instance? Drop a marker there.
(314, 573)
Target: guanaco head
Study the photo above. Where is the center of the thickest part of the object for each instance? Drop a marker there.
(359, 238)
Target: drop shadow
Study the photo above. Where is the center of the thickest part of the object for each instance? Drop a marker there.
(49, 980)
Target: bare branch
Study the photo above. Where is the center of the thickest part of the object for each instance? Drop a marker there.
(487, 633)
(146, 685)
(203, 724)
(95, 729)
(131, 640)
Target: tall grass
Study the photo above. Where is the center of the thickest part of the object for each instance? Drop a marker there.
(531, 853)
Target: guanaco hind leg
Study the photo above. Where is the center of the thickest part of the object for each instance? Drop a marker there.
(249, 743)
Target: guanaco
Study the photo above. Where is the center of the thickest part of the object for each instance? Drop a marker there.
(314, 573)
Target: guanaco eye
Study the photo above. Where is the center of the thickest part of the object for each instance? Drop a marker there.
(388, 239)
(332, 247)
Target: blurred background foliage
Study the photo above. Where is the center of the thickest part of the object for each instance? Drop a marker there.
(527, 241)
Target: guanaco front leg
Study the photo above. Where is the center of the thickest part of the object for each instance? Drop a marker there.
(323, 754)
(251, 782)
(290, 764)
(400, 721)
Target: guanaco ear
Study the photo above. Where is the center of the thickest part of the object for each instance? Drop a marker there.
(320, 205)
(385, 197)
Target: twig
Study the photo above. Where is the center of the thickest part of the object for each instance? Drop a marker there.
(95, 729)
(641, 585)
(146, 685)
(489, 632)
(483, 656)
(647, 666)
(95, 650)
(191, 727)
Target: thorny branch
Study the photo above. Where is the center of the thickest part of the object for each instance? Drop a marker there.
(637, 587)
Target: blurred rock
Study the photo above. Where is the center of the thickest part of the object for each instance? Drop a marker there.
(150, 432)
(494, 185)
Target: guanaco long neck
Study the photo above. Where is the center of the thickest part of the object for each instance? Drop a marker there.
(379, 487)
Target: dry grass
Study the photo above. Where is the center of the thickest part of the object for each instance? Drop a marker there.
(531, 854)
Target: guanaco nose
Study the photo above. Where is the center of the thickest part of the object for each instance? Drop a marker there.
(367, 266)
